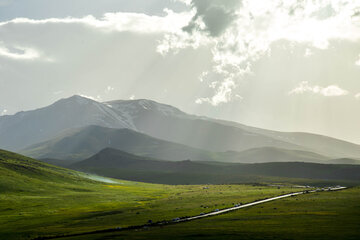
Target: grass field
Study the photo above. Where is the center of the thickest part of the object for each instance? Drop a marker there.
(38, 199)
(324, 215)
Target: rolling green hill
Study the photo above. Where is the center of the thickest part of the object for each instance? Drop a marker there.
(20, 173)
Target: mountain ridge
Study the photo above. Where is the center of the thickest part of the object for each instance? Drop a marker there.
(82, 143)
(118, 164)
(160, 121)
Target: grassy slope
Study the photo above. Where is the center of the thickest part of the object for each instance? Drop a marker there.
(320, 216)
(38, 199)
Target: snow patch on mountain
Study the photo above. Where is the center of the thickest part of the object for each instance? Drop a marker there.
(133, 108)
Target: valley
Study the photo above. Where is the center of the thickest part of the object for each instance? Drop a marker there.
(42, 200)
(111, 166)
(180, 120)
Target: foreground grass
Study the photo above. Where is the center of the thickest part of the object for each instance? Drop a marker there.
(42, 200)
(98, 206)
(324, 215)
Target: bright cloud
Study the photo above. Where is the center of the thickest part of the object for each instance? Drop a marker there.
(358, 61)
(109, 89)
(3, 112)
(329, 91)
(96, 98)
(120, 21)
(19, 53)
(308, 52)
(357, 96)
(223, 93)
(240, 32)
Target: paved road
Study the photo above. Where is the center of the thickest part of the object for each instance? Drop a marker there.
(186, 219)
(255, 203)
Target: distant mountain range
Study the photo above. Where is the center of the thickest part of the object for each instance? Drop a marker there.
(82, 143)
(76, 128)
(118, 164)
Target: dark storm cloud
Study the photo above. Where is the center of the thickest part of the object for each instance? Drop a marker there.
(217, 15)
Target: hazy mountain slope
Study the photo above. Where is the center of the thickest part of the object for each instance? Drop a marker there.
(85, 142)
(313, 142)
(343, 161)
(119, 164)
(271, 154)
(113, 158)
(160, 121)
(26, 128)
(169, 123)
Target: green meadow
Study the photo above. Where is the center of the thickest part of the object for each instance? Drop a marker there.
(320, 216)
(37, 199)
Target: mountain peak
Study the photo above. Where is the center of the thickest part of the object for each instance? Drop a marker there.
(76, 99)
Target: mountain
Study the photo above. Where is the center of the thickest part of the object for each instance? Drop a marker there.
(171, 124)
(271, 154)
(313, 142)
(344, 161)
(118, 164)
(26, 128)
(159, 121)
(84, 142)
(113, 158)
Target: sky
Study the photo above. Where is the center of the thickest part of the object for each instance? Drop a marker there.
(288, 65)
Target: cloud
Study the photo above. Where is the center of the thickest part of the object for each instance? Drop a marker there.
(308, 52)
(170, 22)
(19, 52)
(212, 16)
(4, 3)
(358, 61)
(96, 98)
(58, 92)
(329, 91)
(109, 89)
(357, 96)
(3, 112)
(241, 32)
(120, 21)
(222, 94)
